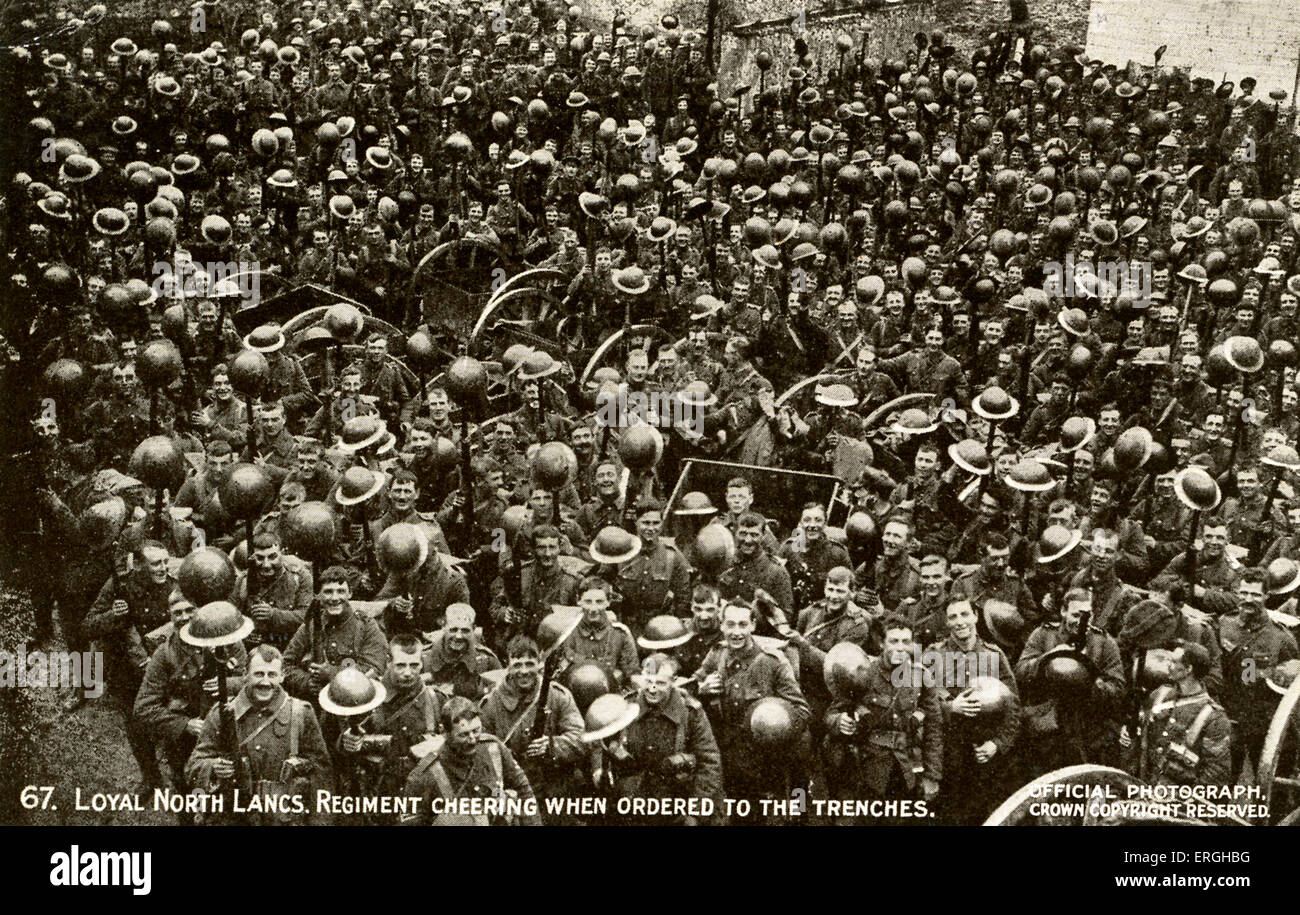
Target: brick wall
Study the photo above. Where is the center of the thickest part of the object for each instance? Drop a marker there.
(890, 30)
(1259, 38)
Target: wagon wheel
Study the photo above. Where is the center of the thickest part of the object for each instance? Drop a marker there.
(1279, 762)
(792, 394)
(637, 336)
(313, 316)
(313, 364)
(540, 277)
(529, 308)
(456, 277)
(1015, 810)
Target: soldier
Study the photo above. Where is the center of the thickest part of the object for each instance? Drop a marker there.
(734, 676)
(418, 600)
(313, 471)
(279, 738)
(469, 764)
(600, 638)
(892, 576)
(403, 496)
(1252, 646)
(409, 716)
(1078, 722)
(608, 507)
(671, 748)
(705, 625)
(510, 713)
(455, 660)
(657, 579)
(333, 636)
(754, 568)
(994, 581)
(740, 501)
(277, 449)
(177, 692)
(809, 554)
(380, 378)
(542, 583)
(130, 607)
(1216, 572)
(977, 740)
(889, 741)
(927, 611)
(226, 418)
(824, 624)
(1186, 736)
(279, 594)
(1111, 598)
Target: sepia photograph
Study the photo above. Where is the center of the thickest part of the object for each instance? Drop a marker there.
(835, 414)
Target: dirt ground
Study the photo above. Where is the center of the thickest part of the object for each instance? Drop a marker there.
(83, 747)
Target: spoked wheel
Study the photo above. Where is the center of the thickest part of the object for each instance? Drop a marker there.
(457, 277)
(611, 352)
(1279, 762)
(1039, 804)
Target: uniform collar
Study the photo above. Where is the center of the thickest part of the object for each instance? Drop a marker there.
(673, 707)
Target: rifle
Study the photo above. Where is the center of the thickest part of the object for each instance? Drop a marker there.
(229, 736)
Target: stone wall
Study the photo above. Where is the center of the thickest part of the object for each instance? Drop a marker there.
(1259, 38)
(773, 24)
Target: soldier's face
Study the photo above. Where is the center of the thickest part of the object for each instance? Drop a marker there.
(737, 626)
(289, 500)
(124, 379)
(155, 561)
(899, 645)
(439, 406)
(933, 577)
(894, 539)
(961, 620)
(272, 422)
(1248, 484)
(309, 461)
(995, 562)
(267, 561)
(656, 685)
(523, 673)
(836, 593)
(1250, 597)
(648, 527)
(594, 604)
(464, 735)
(264, 679)
(813, 523)
(180, 613)
(335, 597)
(405, 668)
(1073, 614)
(749, 538)
(546, 551)
(705, 614)
(402, 495)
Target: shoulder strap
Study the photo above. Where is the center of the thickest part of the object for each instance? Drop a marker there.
(295, 724)
(494, 754)
(1198, 725)
(265, 724)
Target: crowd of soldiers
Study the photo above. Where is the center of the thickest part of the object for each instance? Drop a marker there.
(1035, 314)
